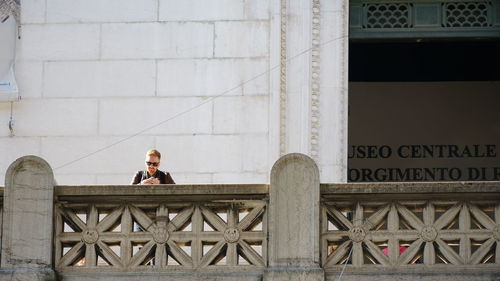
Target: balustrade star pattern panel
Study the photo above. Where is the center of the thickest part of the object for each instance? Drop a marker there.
(133, 236)
(411, 234)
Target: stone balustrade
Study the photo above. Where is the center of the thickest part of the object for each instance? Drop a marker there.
(291, 229)
(426, 227)
(164, 228)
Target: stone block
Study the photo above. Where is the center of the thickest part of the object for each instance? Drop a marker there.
(334, 6)
(333, 136)
(13, 148)
(114, 179)
(157, 40)
(55, 117)
(257, 9)
(95, 155)
(296, 274)
(172, 115)
(200, 77)
(28, 201)
(212, 77)
(74, 179)
(255, 74)
(241, 178)
(421, 275)
(202, 154)
(4, 118)
(333, 50)
(26, 274)
(241, 39)
(59, 42)
(333, 173)
(256, 77)
(33, 11)
(29, 77)
(62, 11)
(245, 114)
(293, 212)
(255, 154)
(164, 276)
(99, 79)
(207, 10)
(191, 178)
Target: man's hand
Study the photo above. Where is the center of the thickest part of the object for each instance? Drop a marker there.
(151, 181)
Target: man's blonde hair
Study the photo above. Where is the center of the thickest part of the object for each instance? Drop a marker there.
(153, 152)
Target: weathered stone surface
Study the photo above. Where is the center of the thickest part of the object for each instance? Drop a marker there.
(241, 39)
(422, 275)
(154, 40)
(61, 11)
(295, 274)
(172, 276)
(99, 79)
(33, 11)
(59, 42)
(26, 274)
(56, 117)
(207, 10)
(27, 220)
(293, 224)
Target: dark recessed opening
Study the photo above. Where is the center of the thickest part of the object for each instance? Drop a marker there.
(424, 61)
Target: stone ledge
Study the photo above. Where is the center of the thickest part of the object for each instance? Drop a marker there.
(27, 274)
(172, 276)
(421, 275)
(178, 192)
(294, 274)
(411, 187)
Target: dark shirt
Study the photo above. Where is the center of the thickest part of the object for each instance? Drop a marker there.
(164, 178)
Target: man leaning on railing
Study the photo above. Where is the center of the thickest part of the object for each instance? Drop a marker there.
(151, 175)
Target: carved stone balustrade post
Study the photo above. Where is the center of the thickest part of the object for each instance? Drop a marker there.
(294, 220)
(27, 221)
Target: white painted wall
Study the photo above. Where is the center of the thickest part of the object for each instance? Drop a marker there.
(94, 74)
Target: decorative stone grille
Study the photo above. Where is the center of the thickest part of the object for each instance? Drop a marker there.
(466, 14)
(411, 233)
(134, 236)
(387, 15)
(422, 19)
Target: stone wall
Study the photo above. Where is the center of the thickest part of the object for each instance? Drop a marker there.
(94, 73)
(222, 88)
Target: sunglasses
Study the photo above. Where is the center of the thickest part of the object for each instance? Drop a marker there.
(155, 164)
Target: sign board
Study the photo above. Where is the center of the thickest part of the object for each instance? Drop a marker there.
(424, 131)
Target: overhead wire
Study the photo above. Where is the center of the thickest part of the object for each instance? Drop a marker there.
(195, 106)
(345, 264)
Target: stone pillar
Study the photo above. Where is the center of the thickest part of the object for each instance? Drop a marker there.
(27, 221)
(293, 248)
(308, 92)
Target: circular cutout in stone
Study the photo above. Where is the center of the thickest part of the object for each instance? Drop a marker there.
(428, 233)
(357, 234)
(90, 236)
(231, 235)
